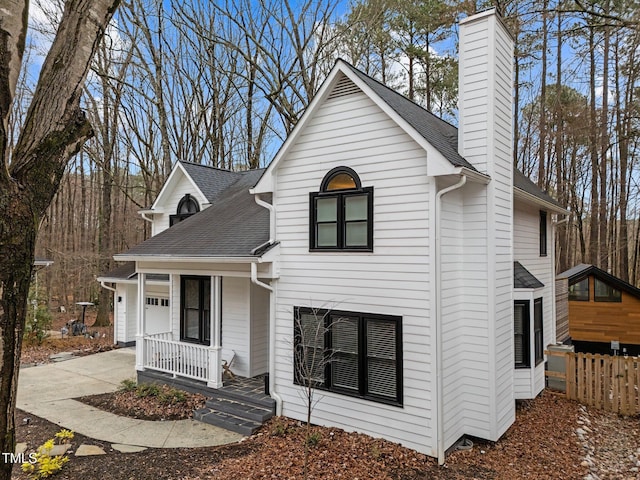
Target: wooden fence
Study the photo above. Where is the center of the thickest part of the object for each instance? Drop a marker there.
(602, 381)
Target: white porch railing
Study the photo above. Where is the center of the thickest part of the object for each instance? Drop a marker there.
(177, 358)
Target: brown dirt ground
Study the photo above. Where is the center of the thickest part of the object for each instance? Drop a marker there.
(540, 445)
(34, 354)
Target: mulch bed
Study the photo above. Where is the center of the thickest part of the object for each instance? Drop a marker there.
(129, 404)
(540, 445)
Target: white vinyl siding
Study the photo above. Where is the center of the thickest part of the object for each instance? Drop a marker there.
(132, 313)
(121, 313)
(259, 330)
(181, 185)
(527, 252)
(236, 322)
(392, 280)
(485, 136)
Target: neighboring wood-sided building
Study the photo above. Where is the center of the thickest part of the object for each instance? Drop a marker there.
(602, 309)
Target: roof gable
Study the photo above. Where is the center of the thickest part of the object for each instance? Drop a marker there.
(233, 226)
(424, 127)
(345, 79)
(208, 182)
(583, 270)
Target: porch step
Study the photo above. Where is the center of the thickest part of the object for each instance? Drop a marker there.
(240, 409)
(240, 394)
(228, 421)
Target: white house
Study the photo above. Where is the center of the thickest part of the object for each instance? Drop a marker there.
(427, 257)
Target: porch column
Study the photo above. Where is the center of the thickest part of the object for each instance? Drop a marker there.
(215, 358)
(141, 321)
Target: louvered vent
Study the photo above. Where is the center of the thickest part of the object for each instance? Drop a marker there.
(343, 88)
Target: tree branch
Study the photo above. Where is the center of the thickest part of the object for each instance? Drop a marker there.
(54, 123)
(13, 31)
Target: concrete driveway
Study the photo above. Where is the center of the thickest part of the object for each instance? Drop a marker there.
(48, 391)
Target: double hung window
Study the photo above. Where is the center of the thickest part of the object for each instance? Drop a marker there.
(356, 354)
(341, 213)
(522, 339)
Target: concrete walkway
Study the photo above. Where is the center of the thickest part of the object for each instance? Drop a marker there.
(47, 391)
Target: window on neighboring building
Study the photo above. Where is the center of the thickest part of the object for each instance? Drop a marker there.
(543, 233)
(341, 213)
(353, 353)
(603, 292)
(538, 331)
(186, 207)
(195, 318)
(521, 340)
(579, 290)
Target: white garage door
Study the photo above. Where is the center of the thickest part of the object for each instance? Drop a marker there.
(157, 314)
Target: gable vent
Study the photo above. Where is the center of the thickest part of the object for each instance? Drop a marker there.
(343, 88)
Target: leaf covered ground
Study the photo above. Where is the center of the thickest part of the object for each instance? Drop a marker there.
(153, 402)
(541, 444)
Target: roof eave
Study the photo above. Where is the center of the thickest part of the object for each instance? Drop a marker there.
(186, 259)
(529, 198)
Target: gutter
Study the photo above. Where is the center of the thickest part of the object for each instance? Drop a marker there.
(272, 305)
(526, 196)
(104, 285)
(438, 314)
(173, 259)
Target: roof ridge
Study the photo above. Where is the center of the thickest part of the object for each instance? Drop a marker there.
(210, 167)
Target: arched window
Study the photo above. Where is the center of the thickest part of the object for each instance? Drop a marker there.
(186, 207)
(341, 213)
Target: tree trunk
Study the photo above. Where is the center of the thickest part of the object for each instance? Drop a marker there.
(543, 102)
(53, 131)
(594, 250)
(604, 151)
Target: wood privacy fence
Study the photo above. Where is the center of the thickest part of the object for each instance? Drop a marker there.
(602, 381)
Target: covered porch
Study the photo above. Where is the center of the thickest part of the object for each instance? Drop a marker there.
(219, 313)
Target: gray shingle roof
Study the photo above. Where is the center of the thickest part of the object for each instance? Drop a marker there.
(523, 278)
(442, 135)
(232, 226)
(127, 271)
(521, 181)
(211, 181)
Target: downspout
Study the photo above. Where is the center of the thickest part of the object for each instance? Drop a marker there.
(438, 332)
(272, 219)
(554, 310)
(272, 304)
(272, 338)
(115, 300)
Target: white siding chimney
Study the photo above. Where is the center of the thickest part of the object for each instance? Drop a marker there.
(485, 140)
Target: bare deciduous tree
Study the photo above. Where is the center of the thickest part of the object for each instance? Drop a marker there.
(54, 129)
